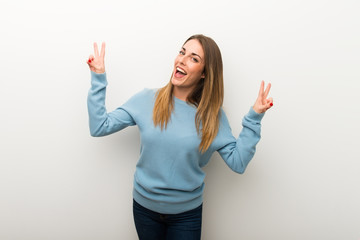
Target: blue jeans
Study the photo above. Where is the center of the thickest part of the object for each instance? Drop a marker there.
(156, 226)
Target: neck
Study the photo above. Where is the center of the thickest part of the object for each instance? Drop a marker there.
(181, 93)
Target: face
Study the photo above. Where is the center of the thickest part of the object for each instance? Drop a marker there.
(189, 65)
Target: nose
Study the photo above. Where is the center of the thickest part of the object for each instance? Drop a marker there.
(182, 59)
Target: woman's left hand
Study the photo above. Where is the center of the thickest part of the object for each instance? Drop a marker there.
(263, 103)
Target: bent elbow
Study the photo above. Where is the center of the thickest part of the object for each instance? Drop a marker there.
(96, 133)
(238, 163)
(239, 171)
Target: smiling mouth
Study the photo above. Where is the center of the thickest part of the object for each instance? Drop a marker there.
(179, 73)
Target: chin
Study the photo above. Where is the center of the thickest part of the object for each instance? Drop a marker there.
(177, 82)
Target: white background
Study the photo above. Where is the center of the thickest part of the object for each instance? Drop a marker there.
(57, 182)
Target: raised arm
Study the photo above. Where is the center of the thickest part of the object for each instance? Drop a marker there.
(237, 153)
(102, 123)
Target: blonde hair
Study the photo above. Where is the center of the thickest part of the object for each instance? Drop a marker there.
(207, 96)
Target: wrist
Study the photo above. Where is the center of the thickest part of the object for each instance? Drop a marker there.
(257, 110)
(99, 71)
(252, 114)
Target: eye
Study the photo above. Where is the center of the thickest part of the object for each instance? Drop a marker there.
(181, 52)
(195, 59)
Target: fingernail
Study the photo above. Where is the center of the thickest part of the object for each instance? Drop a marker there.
(271, 104)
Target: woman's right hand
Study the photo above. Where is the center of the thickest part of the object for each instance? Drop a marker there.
(96, 63)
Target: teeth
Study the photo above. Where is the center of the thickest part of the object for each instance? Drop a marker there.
(180, 70)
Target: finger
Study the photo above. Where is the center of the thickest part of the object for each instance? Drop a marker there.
(96, 50)
(270, 102)
(267, 90)
(91, 58)
(102, 50)
(89, 62)
(261, 91)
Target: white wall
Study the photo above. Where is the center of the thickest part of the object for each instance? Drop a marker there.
(57, 182)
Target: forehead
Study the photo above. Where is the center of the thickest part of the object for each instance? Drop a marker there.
(194, 46)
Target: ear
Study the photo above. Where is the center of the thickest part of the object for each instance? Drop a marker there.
(203, 75)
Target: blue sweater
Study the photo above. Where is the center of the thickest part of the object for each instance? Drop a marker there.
(169, 178)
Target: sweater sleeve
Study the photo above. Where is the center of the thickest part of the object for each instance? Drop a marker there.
(102, 123)
(237, 153)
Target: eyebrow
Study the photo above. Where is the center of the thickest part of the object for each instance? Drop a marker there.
(192, 53)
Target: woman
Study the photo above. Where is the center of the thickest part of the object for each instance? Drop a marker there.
(181, 126)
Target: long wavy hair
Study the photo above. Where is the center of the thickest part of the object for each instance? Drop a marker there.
(207, 95)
